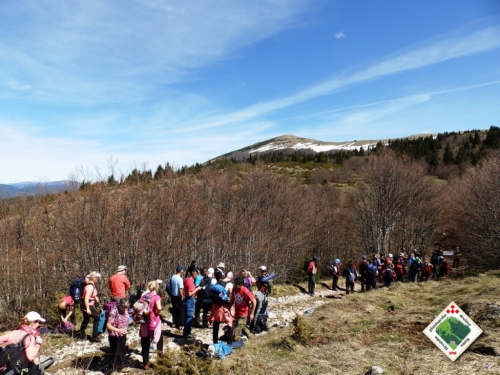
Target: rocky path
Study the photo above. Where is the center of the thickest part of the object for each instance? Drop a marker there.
(84, 357)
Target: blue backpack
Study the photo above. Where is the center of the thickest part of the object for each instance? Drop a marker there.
(219, 295)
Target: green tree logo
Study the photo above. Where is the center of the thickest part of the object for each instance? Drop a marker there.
(452, 331)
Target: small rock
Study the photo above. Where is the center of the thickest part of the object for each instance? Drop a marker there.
(376, 371)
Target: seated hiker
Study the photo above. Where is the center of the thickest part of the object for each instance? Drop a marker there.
(24, 346)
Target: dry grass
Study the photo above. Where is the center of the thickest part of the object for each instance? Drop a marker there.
(383, 328)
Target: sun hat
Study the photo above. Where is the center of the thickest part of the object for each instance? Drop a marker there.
(121, 268)
(221, 265)
(263, 268)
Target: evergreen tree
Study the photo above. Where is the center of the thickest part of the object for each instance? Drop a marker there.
(448, 157)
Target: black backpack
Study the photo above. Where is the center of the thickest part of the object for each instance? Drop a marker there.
(13, 358)
(205, 285)
(306, 265)
(388, 274)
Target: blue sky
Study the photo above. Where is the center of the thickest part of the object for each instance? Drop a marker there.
(137, 83)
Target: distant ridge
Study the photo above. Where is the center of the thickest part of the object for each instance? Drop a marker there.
(35, 188)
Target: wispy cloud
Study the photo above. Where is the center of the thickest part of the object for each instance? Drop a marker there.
(340, 35)
(96, 51)
(418, 57)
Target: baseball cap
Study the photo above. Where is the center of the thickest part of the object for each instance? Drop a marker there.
(33, 316)
(121, 268)
(263, 268)
(179, 268)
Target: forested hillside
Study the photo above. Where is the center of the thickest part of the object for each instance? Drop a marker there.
(245, 214)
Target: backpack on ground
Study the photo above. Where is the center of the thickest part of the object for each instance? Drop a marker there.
(219, 294)
(141, 310)
(67, 328)
(205, 284)
(76, 290)
(13, 358)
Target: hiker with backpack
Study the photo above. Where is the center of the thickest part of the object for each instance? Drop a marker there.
(371, 277)
(414, 268)
(205, 295)
(150, 331)
(189, 302)
(66, 313)
(175, 289)
(244, 306)
(266, 280)
(399, 268)
(427, 270)
(117, 324)
(259, 323)
(119, 284)
(444, 267)
(205, 284)
(88, 306)
(363, 272)
(311, 271)
(23, 346)
(220, 303)
(389, 274)
(350, 277)
(248, 279)
(335, 272)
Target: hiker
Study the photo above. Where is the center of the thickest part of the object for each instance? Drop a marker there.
(435, 264)
(220, 303)
(312, 269)
(399, 268)
(335, 272)
(363, 272)
(388, 274)
(90, 299)
(414, 268)
(66, 311)
(119, 284)
(27, 341)
(229, 282)
(189, 302)
(456, 260)
(444, 267)
(117, 325)
(248, 279)
(177, 298)
(192, 266)
(427, 270)
(266, 280)
(371, 276)
(205, 284)
(150, 332)
(205, 296)
(220, 271)
(259, 323)
(244, 307)
(350, 277)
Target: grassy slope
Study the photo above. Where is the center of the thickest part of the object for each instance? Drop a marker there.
(383, 328)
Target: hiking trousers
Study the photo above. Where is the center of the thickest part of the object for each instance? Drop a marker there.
(177, 311)
(118, 350)
(94, 314)
(189, 310)
(335, 283)
(311, 285)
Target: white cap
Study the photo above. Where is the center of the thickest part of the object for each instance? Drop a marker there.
(159, 281)
(221, 265)
(263, 268)
(33, 316)
(389, 256)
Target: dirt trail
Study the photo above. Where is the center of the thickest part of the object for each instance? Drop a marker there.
(90, 357)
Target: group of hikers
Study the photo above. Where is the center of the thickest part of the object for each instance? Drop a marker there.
(199, 296)
(386, 269)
